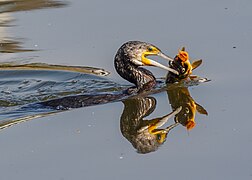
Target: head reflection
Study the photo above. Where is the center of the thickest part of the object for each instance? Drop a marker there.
(145, 135)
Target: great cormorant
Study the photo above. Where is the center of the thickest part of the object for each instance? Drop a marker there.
(129, 59)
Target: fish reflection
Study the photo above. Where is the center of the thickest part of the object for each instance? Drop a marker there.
(180, 97)
(145, 135)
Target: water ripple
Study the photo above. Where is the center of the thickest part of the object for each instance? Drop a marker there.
(21, 87)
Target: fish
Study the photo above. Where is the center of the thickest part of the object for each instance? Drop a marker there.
(182, 64)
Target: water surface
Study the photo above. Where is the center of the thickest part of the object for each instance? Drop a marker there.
(88, 143)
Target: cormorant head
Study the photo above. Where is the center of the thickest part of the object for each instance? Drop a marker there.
(138, 53)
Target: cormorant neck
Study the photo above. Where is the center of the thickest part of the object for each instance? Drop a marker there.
(142, 78)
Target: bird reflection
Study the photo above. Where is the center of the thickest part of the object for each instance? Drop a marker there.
(145, 135)
(180, 97)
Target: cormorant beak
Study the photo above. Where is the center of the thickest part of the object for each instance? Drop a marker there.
(162, 55)
(149, 62)
(154, 127)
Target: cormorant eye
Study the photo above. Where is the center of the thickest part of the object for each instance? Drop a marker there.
(150, 48)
